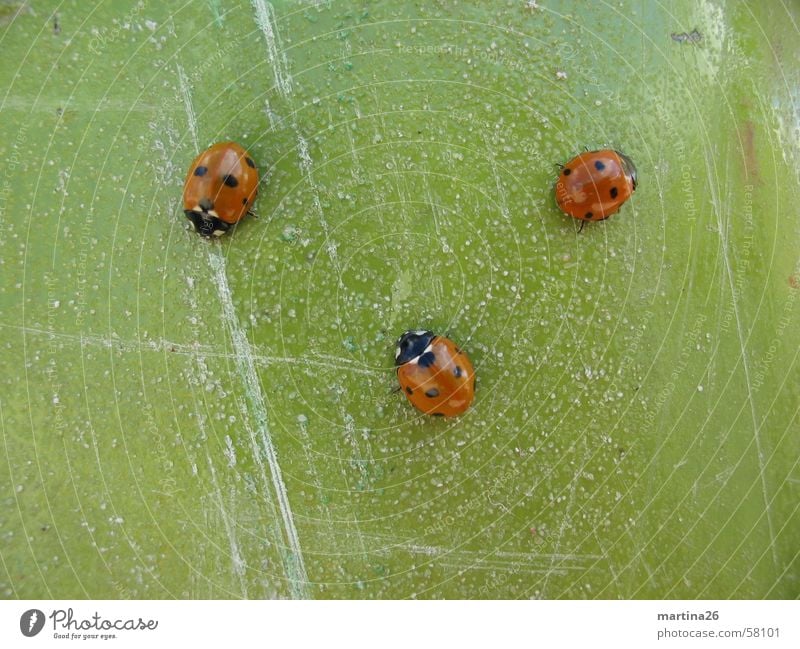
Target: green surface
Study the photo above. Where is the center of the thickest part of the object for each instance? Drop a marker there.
(191, 419)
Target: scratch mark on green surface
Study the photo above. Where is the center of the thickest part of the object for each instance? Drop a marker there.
(236, 557)
(215, 5)
(161, 345)
(266, 22)
(183, 84)
(306, 164)
(265, 19)
(260, 439)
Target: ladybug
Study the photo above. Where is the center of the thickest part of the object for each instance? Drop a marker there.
(435, 375)
(594, 185)
(220, 188)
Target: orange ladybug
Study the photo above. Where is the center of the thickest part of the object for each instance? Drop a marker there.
(434, 374)
(220, 188)
(594, 185)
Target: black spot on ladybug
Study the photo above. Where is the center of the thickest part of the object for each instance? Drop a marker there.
(457, 371)
(614, 192)
(250, 162)
(588, 215)
(427, 359)
(437, 414)
(432, 393)
(206, 204)
(567, 171)
(599, 165)
(229, 180)
(200, 171)
(409, 390)
(244, 201)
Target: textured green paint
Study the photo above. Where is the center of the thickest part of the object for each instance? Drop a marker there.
(635, 432)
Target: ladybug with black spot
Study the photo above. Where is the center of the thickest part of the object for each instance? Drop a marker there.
(594, 185)
(434, 374)
(220, 188)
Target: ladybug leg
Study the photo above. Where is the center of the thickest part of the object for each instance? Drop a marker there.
(583, 223)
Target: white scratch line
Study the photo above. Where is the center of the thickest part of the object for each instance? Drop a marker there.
(496, 556)
(501, 194)
(161, 345)
(350, 434)
(328, 524)
(230, 532)
(305, 156)
(229, 452)
(435, 211)
(305, 166)
(236, 557)
(245, 364)
(265, 19)
(186, 93)
(512, 568)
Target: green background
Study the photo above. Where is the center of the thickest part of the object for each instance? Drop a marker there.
(192, 419)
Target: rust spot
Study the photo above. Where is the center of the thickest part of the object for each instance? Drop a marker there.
(794, 281)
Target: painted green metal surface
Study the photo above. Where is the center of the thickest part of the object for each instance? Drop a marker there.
(192, 419)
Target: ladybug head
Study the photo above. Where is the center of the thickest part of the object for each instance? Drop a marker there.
(412, 344)
(628, 167)
(206, 222)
